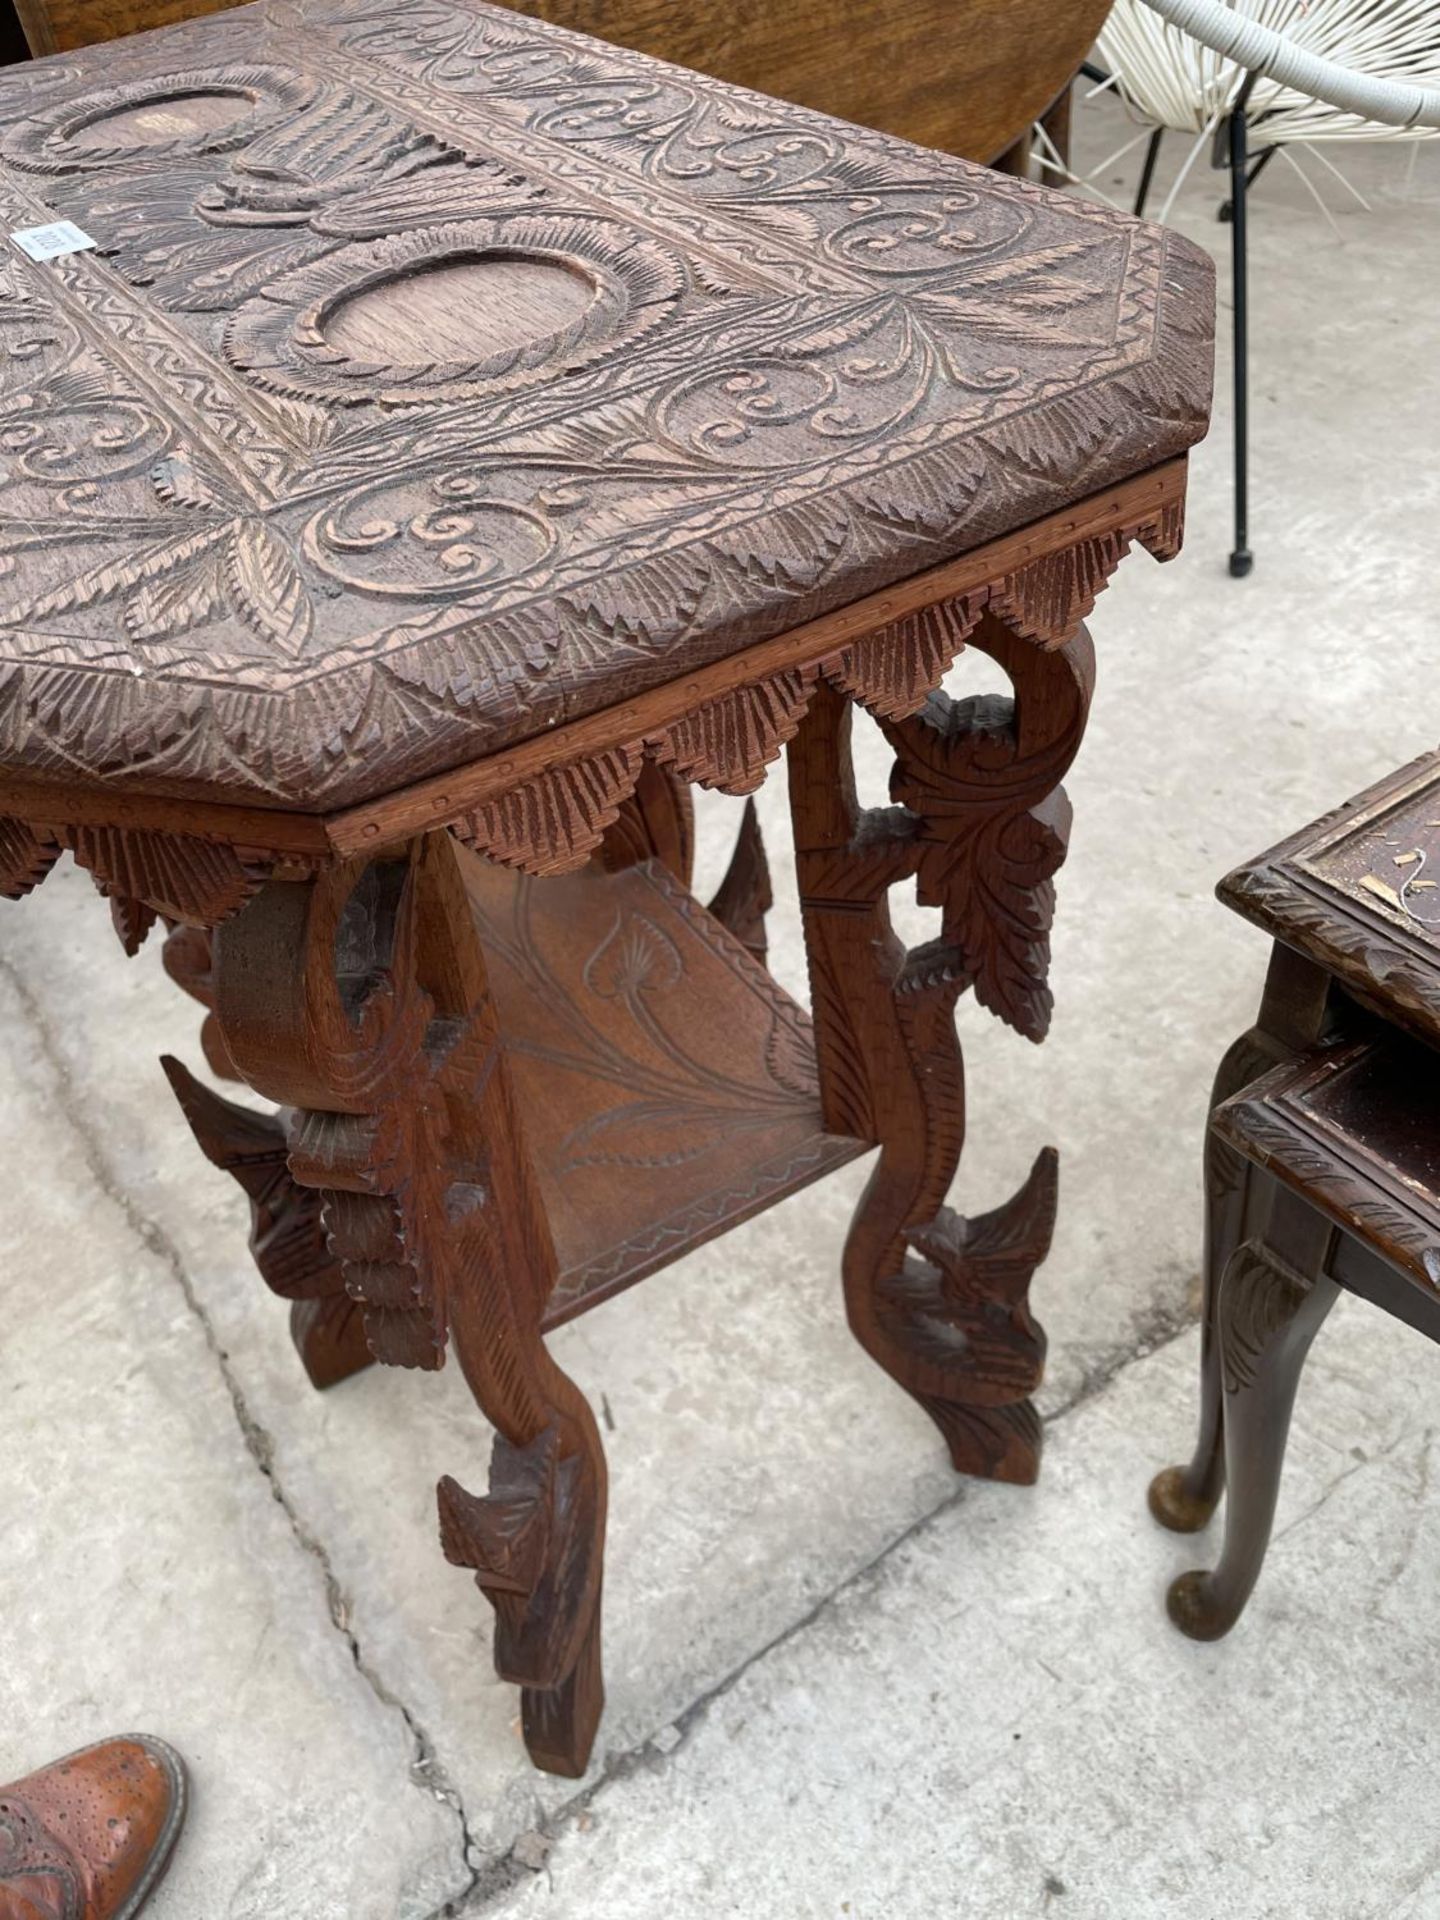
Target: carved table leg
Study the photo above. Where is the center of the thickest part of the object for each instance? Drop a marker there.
(359, 999)
(1273, 1299)
(939, 1301)
(1295, 1010)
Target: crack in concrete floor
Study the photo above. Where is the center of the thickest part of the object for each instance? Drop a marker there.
(426, 1770)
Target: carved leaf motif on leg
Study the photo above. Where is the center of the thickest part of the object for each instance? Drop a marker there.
(360, 999)
(962, 1307)
(938, 1302)
(982, 777)
(530, 1543)
(504, 1537)
(1263, 1293)
(287, 1235)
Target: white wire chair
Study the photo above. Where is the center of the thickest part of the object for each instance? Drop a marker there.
(1250, 78)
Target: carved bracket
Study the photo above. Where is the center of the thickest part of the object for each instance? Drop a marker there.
(381, 1081)
(287, 1234)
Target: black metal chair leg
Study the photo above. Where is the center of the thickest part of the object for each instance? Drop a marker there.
(1227, 211)
(1147, 172)
(1241, 558)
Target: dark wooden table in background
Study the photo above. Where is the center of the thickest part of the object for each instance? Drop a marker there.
(462, 438)
(1322, 1159)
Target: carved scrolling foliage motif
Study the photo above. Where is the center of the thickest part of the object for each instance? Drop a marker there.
(555, 820)
(287, 1232)
(939, 1301)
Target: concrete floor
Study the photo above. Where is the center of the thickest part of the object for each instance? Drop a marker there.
(841, 1683)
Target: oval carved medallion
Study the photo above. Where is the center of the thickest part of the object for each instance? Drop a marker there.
(439, 312)
(164, 120)
(189, 113)
(458, 308)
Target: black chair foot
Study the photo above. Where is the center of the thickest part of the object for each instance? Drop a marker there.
(1225, 214)
(1241, 561)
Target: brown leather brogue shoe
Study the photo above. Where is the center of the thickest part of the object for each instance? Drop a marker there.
(89, 1837)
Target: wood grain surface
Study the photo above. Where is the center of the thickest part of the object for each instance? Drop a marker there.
(59, 26)
(968, 76)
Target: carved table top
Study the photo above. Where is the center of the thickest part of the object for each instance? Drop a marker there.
(439, 378)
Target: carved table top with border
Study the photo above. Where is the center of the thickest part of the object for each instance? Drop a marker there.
(278, 539)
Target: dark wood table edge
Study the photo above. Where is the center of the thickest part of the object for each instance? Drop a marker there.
(1148, 507)
(1388, 966)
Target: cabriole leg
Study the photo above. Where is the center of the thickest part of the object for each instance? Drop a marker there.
(1295, 1010)
(1272, 1304)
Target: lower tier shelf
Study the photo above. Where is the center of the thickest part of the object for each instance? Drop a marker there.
(667, 1083)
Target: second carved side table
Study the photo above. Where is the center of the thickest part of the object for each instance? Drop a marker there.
(460, 438)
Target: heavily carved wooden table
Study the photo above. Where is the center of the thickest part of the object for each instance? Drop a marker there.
(461, 438)
(1322, 1164)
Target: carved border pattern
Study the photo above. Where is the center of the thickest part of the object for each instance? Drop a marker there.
(197, 880)
(554, 821)
(1276, 1138)
(1364, 951)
